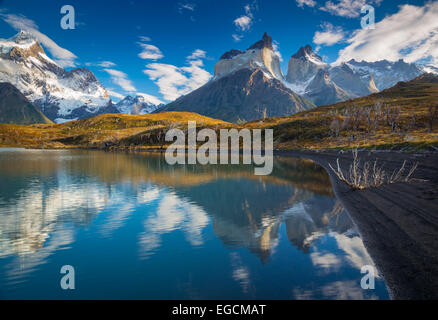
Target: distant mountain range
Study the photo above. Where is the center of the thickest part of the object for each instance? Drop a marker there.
(247, 85)
(136, 105)
(326, 84)
(60, 95)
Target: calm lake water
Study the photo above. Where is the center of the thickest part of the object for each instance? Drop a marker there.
(134, 227)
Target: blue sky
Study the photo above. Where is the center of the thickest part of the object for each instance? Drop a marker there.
(167, 48)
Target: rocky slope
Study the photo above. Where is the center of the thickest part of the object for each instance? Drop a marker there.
(357, 84)
(15, 108)
(322, 89)
(59, 94)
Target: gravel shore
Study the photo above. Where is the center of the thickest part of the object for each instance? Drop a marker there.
(398, 222)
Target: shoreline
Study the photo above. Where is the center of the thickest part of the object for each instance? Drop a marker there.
(398, 222)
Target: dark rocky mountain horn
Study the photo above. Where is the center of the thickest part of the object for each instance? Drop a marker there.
(248, 85)
(266, 42)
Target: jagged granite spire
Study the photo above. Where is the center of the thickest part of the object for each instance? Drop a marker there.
(230, 54)
(266, 42)
(304, 52)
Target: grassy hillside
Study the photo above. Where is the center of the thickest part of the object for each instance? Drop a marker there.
(102, 131)
(403, 117)
(15, 108)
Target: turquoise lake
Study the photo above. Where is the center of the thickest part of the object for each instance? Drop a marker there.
(134, 227)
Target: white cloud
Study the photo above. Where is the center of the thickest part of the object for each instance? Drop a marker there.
(325, 260)
(115, 94)
(144, 39)
(186, 6)
(237, 37)
(62, 56)
(410, 34)
(169, 79)
(197, 76)
(343, 290)
(355, 252)
(121, 79)
(243, 23)
(172, 213)
(347, 8)
(150, 98)
(103, 64)
(241, 272)
(302, 3)
(150, 52)
(276, 47)
(175, 81)
(329, 35)
(197, 54)
(106, 64)
(248, 10)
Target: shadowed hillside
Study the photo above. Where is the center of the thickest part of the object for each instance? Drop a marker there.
(15, 108)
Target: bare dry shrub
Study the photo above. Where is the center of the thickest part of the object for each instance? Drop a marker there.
(335, 126)
(393, 117)
(432, 116)
(370, 174)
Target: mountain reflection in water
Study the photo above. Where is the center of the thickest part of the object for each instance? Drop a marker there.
(135, 227)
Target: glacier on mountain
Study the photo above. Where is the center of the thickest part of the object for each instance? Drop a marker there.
(61, 95)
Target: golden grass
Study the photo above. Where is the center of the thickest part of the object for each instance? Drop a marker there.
(311, 130)
(305, 130)
(95, 132)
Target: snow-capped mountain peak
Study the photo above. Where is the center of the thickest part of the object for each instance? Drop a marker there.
(302, 68)
(260, 55)
(348, 79)
(140, 104)
(306, 53)
(23, 37)
(59, 94)
(248, 85)
(22, 41)
(386, 73)
(430, 69)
